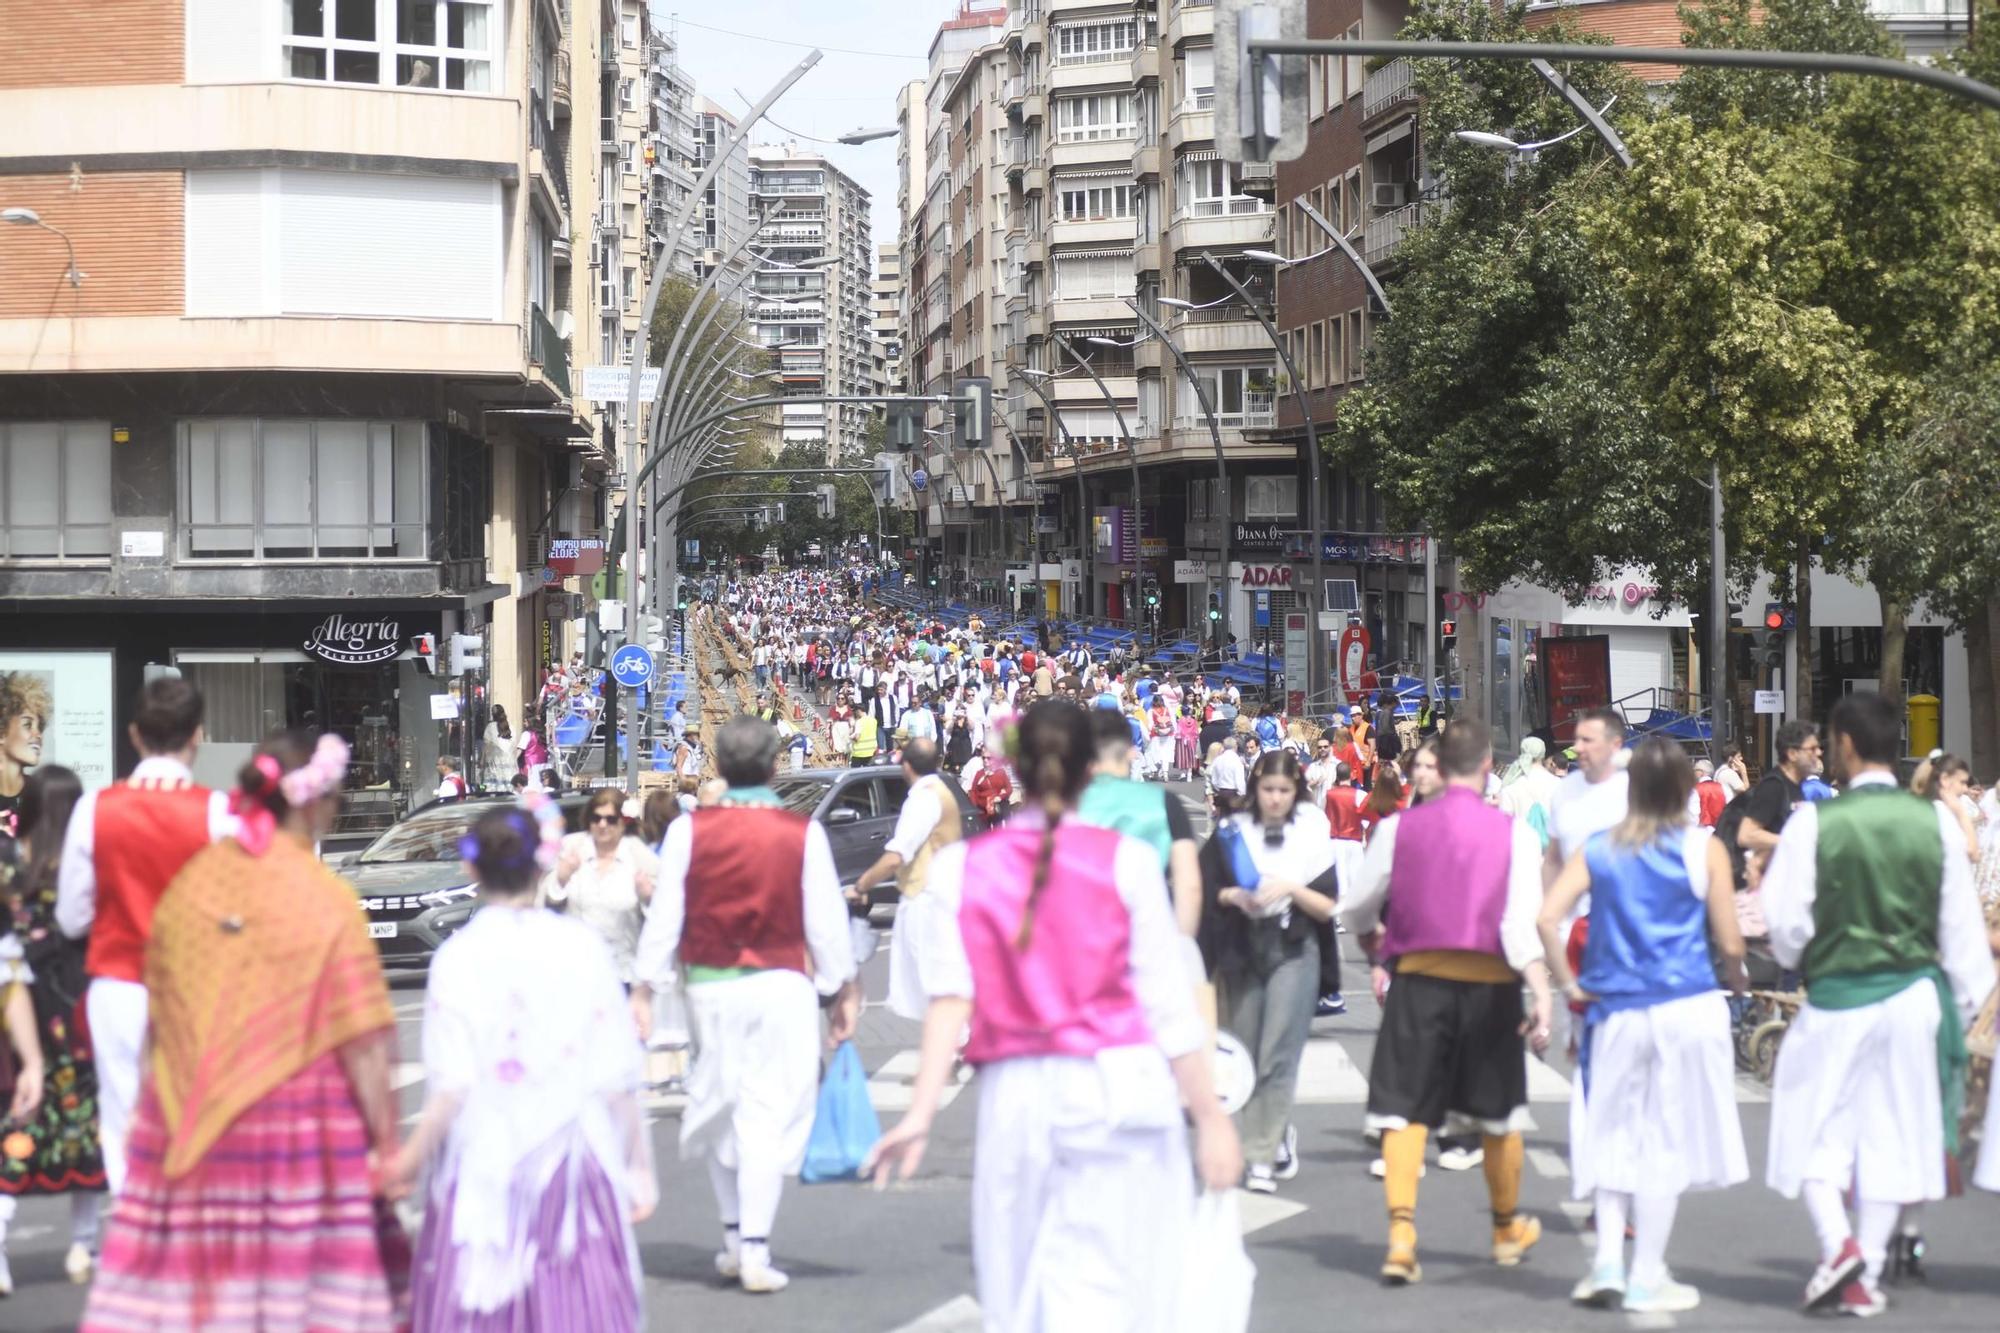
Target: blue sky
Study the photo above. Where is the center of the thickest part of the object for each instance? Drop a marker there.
(843, 92)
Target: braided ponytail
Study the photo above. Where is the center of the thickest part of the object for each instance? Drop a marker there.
(1055, 754)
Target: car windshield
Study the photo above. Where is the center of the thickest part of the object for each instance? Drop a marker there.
(430, 836)
(801, 795)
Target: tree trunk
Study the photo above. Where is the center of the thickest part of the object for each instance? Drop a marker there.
(1895, 636)
(1985, 709)
(1802, 640)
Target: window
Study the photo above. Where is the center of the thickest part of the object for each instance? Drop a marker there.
(1241, 395)
(1090, 43)
(1271, 498)
(1093, 277)
(1336, 357)
(1356, 369)
(628, 157)
(301, 489)
(1205, 189)
(1198, 79)
(1104, 116)
(628, 94)
(628, 30)
(1354, 74)
(450, 45)
(55, 490)
(1090, 198)
(1316, 362)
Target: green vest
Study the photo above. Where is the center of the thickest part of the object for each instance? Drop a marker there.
(1132, 808)
(1880, 866)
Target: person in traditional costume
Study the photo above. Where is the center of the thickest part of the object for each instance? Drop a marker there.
(928, 822)
(1454, 887)
(540, 1160)
(1871, 896)
(254, 1198)
(1268, 880)
(1653, 1108)
(1155, 816)
(1057, 946)
(56, 1148)
(124, 843)
(749, 896)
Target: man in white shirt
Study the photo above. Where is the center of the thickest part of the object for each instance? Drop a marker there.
(1592, 799)
(1229, 778)
(927, 822)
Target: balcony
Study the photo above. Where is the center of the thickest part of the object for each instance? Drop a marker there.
(559, 81)
(1091, 72)
(1189, 20)
(1388, 89)
(1090, 310)
(1197, 231)
(1380, 235)
(1092, 152)
(548, 351)
(1097, 231)
(1222, 329)
(551, 166)
(1193, 120)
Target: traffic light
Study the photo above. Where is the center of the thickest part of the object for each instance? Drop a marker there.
(825, 495)
(1150, 590)
(1260, 120)
(906, 426)
(973, 406)
(1448, 630)
(426, 648)
(1214, 607)
(467, 654)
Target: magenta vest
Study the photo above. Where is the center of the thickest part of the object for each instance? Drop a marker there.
(1070, 991)
(1448, 881)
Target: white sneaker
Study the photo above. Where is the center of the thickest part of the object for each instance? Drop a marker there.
(78, 1263)
(6, 1278)
(763, 1280)
(1456, 1158)
(1287, 1165)
(728, 1264)
(1663, 1297)
(1602, 1289)
(1260, 1180)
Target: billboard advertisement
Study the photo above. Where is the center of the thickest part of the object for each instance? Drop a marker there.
(55, 708)
(1576, 677)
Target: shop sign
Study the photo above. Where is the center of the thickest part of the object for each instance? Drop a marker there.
(1337, 546)
(70, 695)
(1576, 677)
(576, 555)
(1072, 571)
(1257, 537)
(345, 642)
(1267, 576)
(1626, 594)
(1190, 571)
(1153, 548)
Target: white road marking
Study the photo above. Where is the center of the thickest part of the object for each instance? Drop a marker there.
(958, 1315)
(1328, 1076)
(1258, 1211)
(1650, 1321)
(406, 1073)
(1546, 1084)
(1547, 1163)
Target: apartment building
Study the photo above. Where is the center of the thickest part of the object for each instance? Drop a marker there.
(817, 322)
(885, 331)
(285, 363)
(673, 158)
(723, 223)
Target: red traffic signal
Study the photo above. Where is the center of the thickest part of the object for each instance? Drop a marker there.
(1774, 619)
(1447, 629)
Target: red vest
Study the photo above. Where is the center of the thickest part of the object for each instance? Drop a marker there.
(1343, 812)
(143, 836)
(745, 900)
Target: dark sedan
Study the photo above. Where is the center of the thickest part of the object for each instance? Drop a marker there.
(858, 807)
(413, 884)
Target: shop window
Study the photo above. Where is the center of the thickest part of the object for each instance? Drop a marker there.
(293, 489)
(55, 490)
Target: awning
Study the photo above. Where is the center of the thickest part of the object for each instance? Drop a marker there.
(1400, 130)
(1199, 155)
(1125, 253)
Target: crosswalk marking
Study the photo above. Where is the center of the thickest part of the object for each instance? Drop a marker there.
(890, 1088)
(406, 1073)
(1328, 1076)
(1547, 1163)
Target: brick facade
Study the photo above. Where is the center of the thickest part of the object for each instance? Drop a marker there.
(53, 43)
(127, 228)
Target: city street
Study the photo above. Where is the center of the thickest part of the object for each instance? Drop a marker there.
(900, 1262)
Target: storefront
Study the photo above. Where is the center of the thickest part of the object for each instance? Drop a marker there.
(344, 668)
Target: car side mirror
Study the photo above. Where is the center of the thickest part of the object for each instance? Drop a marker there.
(844, 815)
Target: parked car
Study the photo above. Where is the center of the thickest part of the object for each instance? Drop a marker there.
(858, 807)
(412, 881)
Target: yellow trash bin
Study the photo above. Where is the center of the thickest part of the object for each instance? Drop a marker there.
(1924, 724)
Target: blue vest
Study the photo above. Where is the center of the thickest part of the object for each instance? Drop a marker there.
(1648, 931)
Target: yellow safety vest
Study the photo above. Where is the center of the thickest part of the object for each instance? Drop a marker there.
(867, 737)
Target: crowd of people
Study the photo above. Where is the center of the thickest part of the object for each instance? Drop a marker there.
(196, 1023)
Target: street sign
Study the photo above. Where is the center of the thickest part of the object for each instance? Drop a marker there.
(1263, 610)
(919, 479)
(613, 384)
(1190, 571)
(632, 666)
(1769, 701)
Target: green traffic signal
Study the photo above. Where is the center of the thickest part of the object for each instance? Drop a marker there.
(1214, 614)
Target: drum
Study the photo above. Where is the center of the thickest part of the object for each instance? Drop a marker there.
(1235, 1072)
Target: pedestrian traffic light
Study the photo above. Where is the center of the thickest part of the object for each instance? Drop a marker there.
(426, 649)
(973, 404)
(906, 426)
(1767, 647)
(1150, 591)
(1214, 607)
(467, 654)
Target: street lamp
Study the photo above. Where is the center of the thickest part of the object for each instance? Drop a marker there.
(869, 136)
(28, 217)
(1485, 139)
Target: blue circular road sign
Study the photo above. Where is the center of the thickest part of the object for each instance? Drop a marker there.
(919, 479)
(632, 667)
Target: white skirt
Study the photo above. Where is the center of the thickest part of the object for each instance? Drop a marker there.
(1082, 1190)
(1660, 1115)
(755, 1081)
(1855, 1100)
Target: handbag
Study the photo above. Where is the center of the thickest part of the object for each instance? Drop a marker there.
(1218, 1281)
(845, 1126)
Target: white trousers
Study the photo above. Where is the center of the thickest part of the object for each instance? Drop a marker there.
(755, 1081)
(117, 1011)
(1854, 1100)
(1081, 1194)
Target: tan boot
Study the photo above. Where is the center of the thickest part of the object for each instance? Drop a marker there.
(1512, 1242)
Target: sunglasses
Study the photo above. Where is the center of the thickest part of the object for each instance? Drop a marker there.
(607, 819)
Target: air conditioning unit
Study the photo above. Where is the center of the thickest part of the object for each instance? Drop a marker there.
(1388, 194)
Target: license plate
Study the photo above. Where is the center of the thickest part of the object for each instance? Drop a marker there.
(381, 930)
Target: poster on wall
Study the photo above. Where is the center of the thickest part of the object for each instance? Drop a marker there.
(1576, 677)
(55, 708)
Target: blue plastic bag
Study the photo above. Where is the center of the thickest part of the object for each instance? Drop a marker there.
(1236, 858)
(845, 1126)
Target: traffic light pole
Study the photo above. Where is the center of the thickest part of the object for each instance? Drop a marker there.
(1718, 614)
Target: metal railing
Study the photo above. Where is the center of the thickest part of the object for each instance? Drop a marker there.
(547, 349)
(1387, 86)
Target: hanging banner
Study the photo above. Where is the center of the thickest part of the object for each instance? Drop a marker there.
(1576, 677)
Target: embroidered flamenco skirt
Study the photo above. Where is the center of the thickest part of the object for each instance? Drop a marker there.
(276, 1229)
